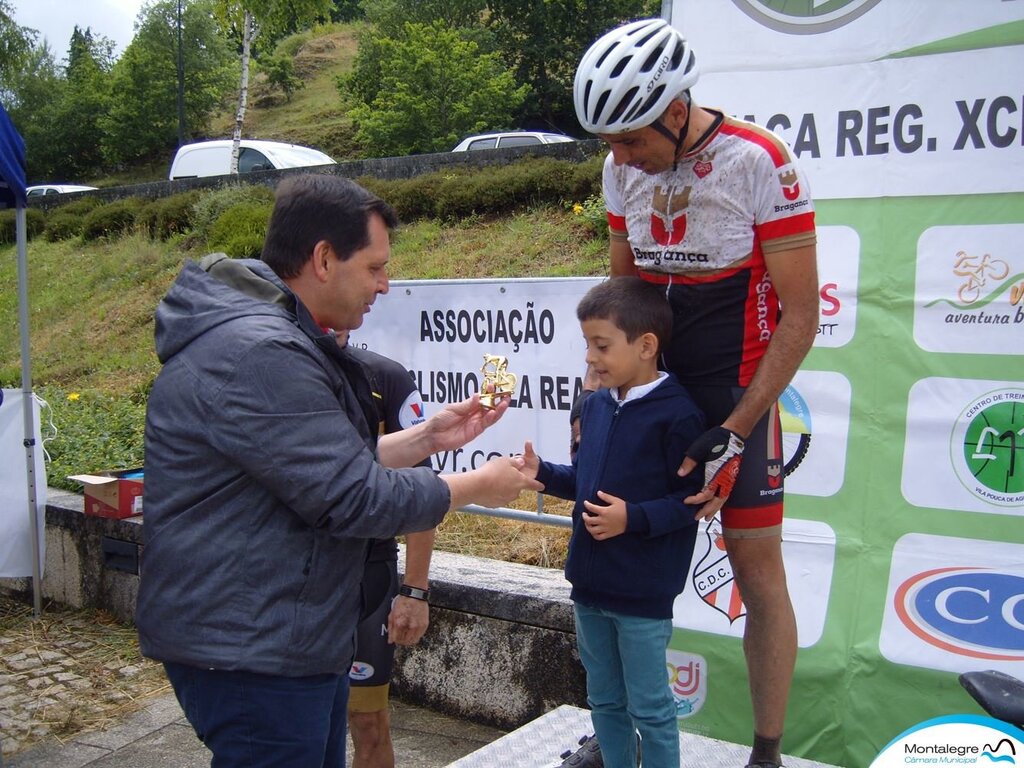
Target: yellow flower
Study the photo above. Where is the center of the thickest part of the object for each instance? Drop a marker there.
(577, 209)
(72, 396)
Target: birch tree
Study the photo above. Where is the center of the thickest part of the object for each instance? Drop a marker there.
(262, 22)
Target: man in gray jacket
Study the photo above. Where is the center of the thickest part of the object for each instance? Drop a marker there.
(265, 479)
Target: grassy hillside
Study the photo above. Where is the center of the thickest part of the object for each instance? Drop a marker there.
(315, 115)
(91, 334)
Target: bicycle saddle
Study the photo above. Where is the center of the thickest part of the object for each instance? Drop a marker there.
(999, 694)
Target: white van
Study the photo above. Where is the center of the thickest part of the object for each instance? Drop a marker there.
(213, 158)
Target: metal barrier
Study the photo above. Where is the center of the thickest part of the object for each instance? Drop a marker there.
(523, 515)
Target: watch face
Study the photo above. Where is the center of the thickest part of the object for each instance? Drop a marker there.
(804, 17)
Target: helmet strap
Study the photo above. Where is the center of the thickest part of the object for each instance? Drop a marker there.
(679, 140)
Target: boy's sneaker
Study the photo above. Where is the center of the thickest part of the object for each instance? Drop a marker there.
(765, 764)
(587, 756)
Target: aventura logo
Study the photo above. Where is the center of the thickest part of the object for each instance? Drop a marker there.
(969, 295)
(987, 447)
(805, 17)
(955, 740)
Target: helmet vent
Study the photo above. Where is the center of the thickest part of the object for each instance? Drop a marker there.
(623, 104)
(596, 115)
(621, 65)
(600, 62)
(640, 43)
(650, 101)
(651, 60)
(677, 58)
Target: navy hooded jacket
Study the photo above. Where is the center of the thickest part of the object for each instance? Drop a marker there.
(632, 451)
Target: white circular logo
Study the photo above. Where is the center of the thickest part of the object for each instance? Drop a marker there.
(804, 17)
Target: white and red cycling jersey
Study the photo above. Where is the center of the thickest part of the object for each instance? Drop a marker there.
(703, 229)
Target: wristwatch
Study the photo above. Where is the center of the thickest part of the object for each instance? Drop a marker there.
(414, 592)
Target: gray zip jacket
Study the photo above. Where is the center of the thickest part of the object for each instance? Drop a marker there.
(261, 484)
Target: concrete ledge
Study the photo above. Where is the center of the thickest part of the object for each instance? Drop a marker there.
(500, 651)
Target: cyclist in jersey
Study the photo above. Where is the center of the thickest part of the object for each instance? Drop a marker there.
(392, 614)
(717, 212)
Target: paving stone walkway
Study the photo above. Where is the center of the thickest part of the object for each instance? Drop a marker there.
(75, 694)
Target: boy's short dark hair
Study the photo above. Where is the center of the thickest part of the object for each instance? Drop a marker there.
(312, 207)
(633, 305)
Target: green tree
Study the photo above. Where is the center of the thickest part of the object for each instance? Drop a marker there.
(346, 11)
(280, 72)
(390, 16)
(436, 87)
(70, 147)
(543, 43)
(387, 22)
(35, 91)
(143, 119)
(16, 44)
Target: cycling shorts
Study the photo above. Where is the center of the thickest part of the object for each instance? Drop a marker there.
(374, 656)
(754, 509)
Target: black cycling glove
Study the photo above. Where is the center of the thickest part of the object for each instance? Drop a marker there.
(721, 450)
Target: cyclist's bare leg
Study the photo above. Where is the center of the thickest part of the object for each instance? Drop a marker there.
(371, 737)
(769, 641)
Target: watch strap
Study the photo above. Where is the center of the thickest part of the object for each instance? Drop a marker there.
(414, 592)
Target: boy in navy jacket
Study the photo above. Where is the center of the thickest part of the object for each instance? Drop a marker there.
(633, 536)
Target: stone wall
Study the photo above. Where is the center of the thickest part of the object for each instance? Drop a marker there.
(501, 648)
(379, 168)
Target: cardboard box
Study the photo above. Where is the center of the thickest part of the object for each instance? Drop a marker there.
(112, 493)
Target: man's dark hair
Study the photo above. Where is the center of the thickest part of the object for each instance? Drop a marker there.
(633, 305)
(314, 207)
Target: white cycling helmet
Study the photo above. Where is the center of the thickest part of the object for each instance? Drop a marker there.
(627, 79)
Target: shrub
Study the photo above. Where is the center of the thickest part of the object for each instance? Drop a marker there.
(35, 220)
(111, 220)
(63, 225)
(241, 229)
(81, 206)
(169, 216)
(211, 204)
(414, 198)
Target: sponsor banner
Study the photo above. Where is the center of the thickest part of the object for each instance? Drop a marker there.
(838, 265)
(754, 34)
(964, 446)
(815, 413)
(688, 681)
(15, 525)
(441, 330)
(955, 740)
(955, 604)
(919, 126)
(969, 289)
(712, 603)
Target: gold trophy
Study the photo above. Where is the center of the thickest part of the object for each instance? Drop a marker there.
(497, 381)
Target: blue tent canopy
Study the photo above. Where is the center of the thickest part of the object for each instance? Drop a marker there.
(12, 164)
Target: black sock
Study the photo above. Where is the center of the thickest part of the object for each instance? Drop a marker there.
(766, 750)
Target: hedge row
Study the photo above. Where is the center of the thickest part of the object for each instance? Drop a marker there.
(233, 219)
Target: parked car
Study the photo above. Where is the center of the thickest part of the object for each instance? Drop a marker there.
(38, 190)
(506, 139)
(213, 158)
